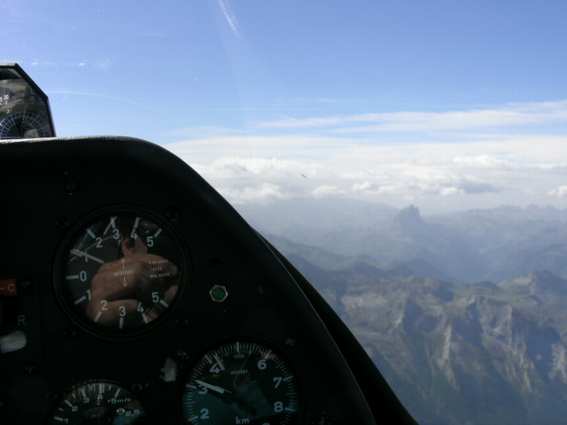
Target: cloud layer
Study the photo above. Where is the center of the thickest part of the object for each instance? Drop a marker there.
(464, 169)
(511, 115)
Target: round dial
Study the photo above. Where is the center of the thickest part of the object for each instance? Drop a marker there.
(122, 272)
(98, 403)
(24, 124)
(240, 383)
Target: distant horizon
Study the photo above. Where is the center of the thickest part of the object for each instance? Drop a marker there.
(401, 207)
(461, 246)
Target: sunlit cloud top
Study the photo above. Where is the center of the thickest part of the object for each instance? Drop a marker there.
(460, 165)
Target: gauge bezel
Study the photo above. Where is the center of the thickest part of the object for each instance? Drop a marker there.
(60, 263)
(276, 349)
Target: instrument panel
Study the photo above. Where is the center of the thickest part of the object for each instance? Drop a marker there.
(132, 293)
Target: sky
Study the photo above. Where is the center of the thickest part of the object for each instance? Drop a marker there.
(442, 104)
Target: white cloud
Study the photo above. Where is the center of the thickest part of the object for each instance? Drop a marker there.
(256, 179)
(365, 186)
(486, 171)
(440, 180)
(260, 193)
(373, 188)
(559, 192)
(482, 161)
(449, 191)
(520, 162)
(304, 148)
(511, 115)
(326, 191)
(246, 167)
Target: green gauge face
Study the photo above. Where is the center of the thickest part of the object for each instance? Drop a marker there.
(98, 403)
(241, 383)
(121, 272)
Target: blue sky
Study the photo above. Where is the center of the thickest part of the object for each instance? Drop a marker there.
(245, 81)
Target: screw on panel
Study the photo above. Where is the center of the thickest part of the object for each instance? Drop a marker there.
(218, 293)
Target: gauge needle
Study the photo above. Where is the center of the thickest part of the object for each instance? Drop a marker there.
(84, 254)
(213, 387)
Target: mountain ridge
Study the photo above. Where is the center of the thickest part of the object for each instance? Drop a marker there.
(480, 353)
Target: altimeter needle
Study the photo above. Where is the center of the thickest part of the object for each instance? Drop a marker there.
(211, 387)
(86, 255)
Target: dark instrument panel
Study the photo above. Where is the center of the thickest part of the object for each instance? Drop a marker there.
(132, 293)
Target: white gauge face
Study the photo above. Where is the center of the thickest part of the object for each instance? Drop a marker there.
(122, 272)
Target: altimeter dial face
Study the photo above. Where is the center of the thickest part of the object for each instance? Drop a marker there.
(98, 403)
(122, 272)
(241, 383)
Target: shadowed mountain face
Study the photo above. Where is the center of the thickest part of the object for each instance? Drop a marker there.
(461, 354)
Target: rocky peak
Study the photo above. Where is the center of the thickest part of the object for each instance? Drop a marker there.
(409, 217)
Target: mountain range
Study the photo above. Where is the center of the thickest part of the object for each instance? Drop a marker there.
(477, 354)
(464, 313)
(467, 246)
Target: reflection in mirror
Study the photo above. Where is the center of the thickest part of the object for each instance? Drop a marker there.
(24, 107)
